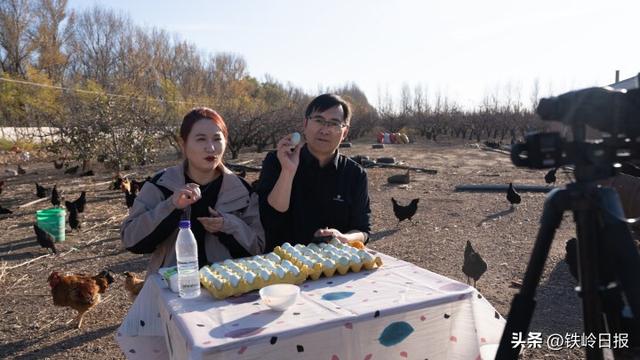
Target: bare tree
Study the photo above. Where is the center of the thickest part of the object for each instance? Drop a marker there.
(16, 35)
(98, 36)
(52, 36)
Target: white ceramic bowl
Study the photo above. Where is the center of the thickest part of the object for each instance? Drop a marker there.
(279, 296)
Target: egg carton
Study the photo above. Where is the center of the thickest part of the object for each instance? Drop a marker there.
(328, 258)
(238, 276)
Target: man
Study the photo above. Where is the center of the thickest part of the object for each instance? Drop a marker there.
(308, 191)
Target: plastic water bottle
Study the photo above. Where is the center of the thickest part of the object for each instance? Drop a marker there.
(187, 256)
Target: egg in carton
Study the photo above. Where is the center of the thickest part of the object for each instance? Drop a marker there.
(369, 262)
(328, 258)
(286, 251)
(217, 286)
(347, 258)
(259, 275)
(328, 267)
(314, 269)
(314, 266)
(312, 257)
(288, 275)
(263, 274)
(240, 279)
(297, 275)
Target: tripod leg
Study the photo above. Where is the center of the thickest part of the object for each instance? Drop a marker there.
(623, 250)
(523, 303)
(591, 274)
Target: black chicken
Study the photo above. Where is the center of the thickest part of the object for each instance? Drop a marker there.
(1, 185)
(58, 165)
(492, 144)
(4, 211)
(72, 170)
(130, 197)
(41, 191)
(550, 177)
(44, 239)
(55, 196)
(117, 182)
(405, 212)
(474, 266)
(364, 160)
(73, 215)
(80, 202)
(512, 196)
(571, 256)
(137, 185)
(400, 178)
(21, 170)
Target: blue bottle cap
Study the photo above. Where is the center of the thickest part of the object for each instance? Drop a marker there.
(184, 224)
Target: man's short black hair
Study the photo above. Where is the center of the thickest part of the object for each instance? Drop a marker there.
(327, 101)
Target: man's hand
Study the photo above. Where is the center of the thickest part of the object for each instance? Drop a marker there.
(214, 223)
(288, 154)
(332, 232)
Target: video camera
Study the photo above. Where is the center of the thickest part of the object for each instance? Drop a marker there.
(614, 112)
(608, 260)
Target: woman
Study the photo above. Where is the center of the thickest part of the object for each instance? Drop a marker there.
(223, 211)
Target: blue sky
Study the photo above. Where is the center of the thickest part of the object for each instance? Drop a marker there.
(463, 49)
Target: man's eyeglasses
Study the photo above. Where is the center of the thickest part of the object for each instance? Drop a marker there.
(330, 124)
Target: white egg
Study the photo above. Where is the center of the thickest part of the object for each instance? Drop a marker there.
(265, 275)
(228, 262)
(249, 277)
(273, 257)
(215, 266)
(329, 264)
(234, 280)
(295, 138)
(280, 272)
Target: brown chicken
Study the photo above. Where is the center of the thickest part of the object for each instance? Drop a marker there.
(125, 185)
(133, 284)
(79, 292)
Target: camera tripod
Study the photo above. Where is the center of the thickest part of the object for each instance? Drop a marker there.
(608, 270)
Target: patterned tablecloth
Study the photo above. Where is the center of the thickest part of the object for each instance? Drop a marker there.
(399, 311)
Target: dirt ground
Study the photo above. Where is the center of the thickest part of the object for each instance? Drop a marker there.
(31, 327)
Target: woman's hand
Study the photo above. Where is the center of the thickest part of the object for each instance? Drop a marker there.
(332, 232)
(186, 196)
(214, 223)
(288, 154)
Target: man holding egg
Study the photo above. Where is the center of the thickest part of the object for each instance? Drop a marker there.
(308, 190)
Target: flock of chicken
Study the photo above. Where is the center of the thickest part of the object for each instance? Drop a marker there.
(474, 266)
(82, 292)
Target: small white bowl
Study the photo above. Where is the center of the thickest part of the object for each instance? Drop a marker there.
(279, 296)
